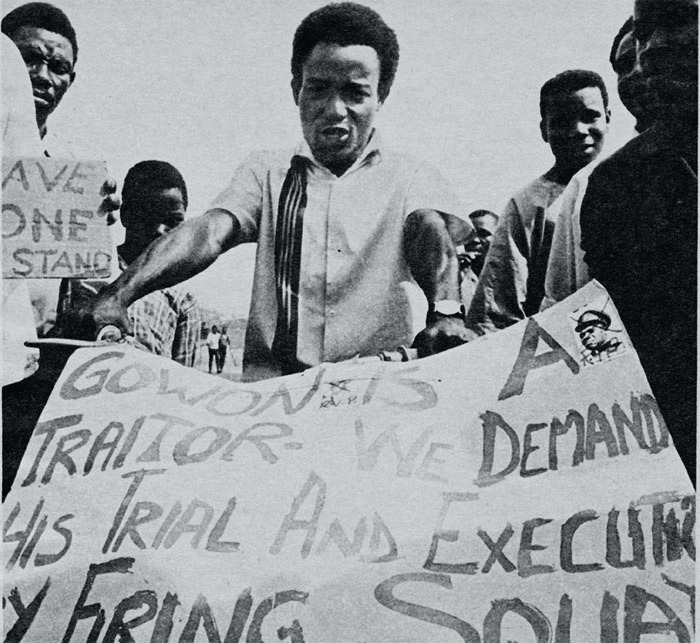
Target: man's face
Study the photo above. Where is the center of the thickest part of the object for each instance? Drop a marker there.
(592, 337)
(667, 47)
(154, 215)
(338, 100)
(478, 244)
(575, 125)
(631, 85)
(49, 60)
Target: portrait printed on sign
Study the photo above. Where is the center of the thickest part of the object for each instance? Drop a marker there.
(599, 333)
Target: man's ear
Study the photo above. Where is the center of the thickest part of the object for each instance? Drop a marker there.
(543, 131)
(608, 114)
(72, 78)
(296, 88)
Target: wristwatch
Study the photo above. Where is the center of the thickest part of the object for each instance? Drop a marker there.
(445, 308)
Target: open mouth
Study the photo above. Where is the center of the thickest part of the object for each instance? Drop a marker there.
(42, 99)
(337, 134)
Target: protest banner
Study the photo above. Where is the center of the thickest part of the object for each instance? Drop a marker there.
(52, 226)
(523, 487)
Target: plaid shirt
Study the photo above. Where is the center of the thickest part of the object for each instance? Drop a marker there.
(166, 322)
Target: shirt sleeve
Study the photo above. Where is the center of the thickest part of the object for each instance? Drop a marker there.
(243, 196)
(187, 331)
(501, 293)
(430, 191)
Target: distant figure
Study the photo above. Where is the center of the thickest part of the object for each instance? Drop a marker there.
(213, 346)
(567, 271)
(167, 322)
(593, 330)
(639, 225)
(471, 256)
(224, 343)
(575, 117)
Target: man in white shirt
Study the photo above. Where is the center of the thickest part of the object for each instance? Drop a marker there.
(575, 117)
(347, 231)
(567, 271)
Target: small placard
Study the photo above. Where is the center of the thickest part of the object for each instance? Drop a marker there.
(52, 226)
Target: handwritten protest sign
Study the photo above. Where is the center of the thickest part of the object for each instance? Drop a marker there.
(513, 489)
(51, 223)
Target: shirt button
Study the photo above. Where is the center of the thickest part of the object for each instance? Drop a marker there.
(331, 313)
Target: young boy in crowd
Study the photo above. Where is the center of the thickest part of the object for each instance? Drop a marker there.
(167, 322)
(575, 117)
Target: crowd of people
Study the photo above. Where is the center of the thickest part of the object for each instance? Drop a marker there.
(345, 226)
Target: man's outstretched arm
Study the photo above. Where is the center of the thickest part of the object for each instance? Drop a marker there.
(175, 257)
(432, 258)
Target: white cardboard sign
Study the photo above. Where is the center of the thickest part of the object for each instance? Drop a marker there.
(51, 223)
(508, 490)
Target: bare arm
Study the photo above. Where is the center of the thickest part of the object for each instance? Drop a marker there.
(432, 258)
(179, 255)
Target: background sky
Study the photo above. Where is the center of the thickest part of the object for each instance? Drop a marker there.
(202, 83)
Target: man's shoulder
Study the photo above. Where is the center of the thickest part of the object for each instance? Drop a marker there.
(406, 160)
(266, 159)
(540, 192)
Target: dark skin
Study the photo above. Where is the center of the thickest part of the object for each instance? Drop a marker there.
(195, 245)
(338, 100)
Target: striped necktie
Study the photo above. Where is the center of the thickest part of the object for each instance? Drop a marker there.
(288, 238)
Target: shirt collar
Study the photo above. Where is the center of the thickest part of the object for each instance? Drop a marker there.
(371, 153)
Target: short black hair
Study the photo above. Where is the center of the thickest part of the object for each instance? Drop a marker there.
(151, 176)
(626, 29)
(347, 23)
(569, 81)
(482, 213)
(43, 16)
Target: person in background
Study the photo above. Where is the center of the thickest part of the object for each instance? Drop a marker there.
(575, 118)
(639, 218)
(213, 346)
(166, 322)
(19, 138)
(472, 254)
(47, 43)
(333, 276)
(224, 343)
(566, 270)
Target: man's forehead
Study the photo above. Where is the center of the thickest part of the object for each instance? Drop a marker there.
(331, 60)
(574, 100)
(486, 221)
(41, 38)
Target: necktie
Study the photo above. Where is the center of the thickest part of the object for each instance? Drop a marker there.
(288, 238)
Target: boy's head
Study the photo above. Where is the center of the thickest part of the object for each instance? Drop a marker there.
(575, 117)
(154, 200)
